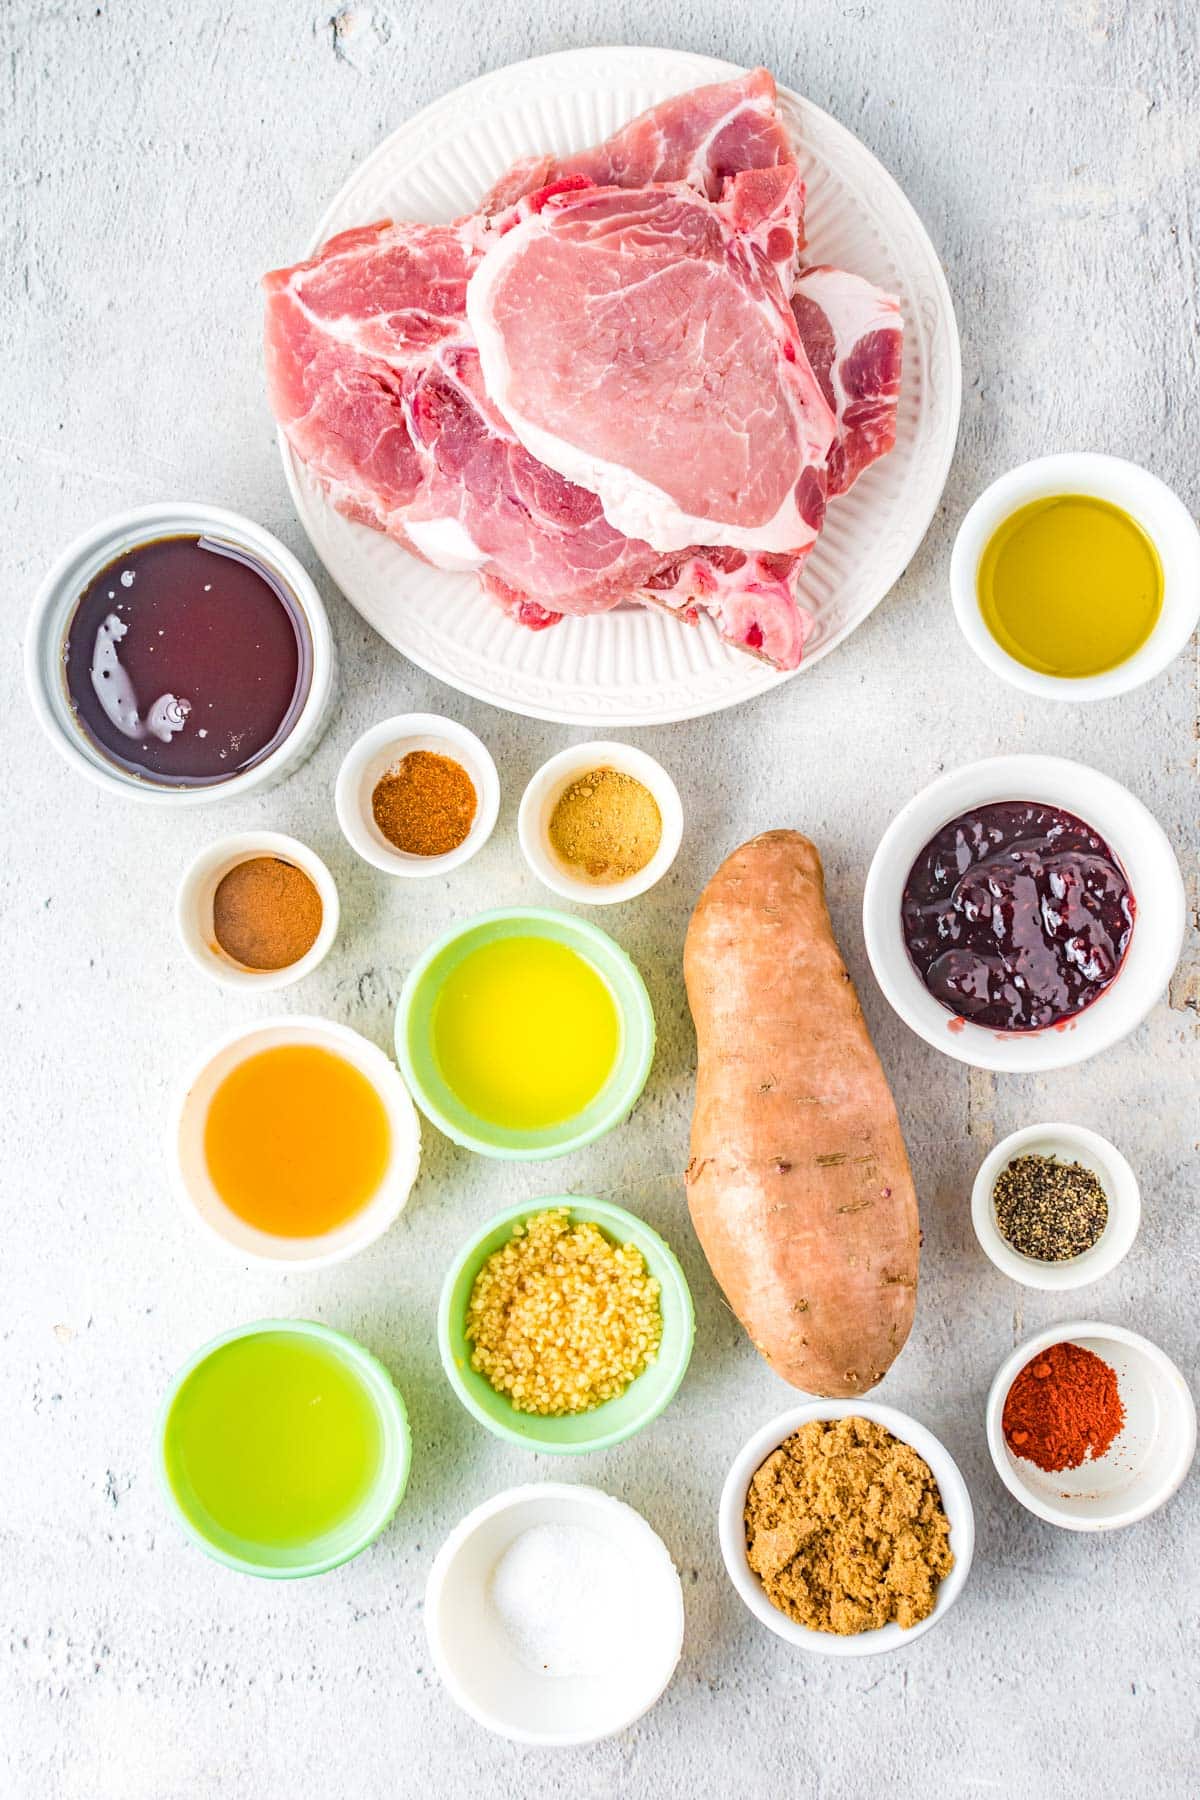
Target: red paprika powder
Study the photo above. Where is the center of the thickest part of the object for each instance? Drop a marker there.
(1063, 1405)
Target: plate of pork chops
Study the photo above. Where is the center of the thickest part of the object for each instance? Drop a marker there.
(617, 386)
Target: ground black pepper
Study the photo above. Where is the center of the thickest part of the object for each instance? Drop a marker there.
(1049, 1210)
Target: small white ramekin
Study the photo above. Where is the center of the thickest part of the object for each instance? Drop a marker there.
(471, 1651)
(1131, 832)
(1145, 1465)
(54, 607)
(543, 793)
(731, 1524)
(202, 1202)
(1070, 1144)
(1160, 513)
(194, 908)
(379, 750)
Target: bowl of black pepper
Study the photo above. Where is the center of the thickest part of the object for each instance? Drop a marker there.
(1055, 1206)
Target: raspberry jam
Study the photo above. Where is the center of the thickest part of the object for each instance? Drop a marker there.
(1016, 915)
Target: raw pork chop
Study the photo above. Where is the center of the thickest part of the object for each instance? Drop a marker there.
(751, 599)
(640, 343)
(373, 378)
(699, 137)
(854, 338)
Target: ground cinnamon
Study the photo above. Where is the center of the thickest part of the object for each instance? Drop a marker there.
(266, 913)
(425, 806)
(1064, 1406)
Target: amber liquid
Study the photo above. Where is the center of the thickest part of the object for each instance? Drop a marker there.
(186, 664)
(296, 1140)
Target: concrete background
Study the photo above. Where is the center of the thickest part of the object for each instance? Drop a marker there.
(157, 158)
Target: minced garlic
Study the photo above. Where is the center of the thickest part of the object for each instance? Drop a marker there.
(560, 1318)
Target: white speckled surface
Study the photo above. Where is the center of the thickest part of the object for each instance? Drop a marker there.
(157, 159)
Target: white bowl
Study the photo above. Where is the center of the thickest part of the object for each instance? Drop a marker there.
(194, 908)
(476, 1659)
(1145, 1464)
(379, 750)
(54, 608)
(543, 793)
(194, 1184)
(956, 1503)
(1162, 516)
(1069, 1143)
(1131, 832)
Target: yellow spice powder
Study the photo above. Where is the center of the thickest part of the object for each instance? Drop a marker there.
(606, 825)
(846, 1530)
(562, 1319)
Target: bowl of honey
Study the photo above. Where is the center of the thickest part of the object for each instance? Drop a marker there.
(179, 654)
(294, 1142)
(525, 1033)
(1077, 576)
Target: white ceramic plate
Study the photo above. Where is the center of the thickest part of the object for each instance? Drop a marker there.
(634, 667)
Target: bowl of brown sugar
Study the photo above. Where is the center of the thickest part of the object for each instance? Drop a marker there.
(417, 795)
(846, 1527)
(258, 909)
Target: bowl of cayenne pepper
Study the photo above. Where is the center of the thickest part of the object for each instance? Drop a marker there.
(1090, 1426)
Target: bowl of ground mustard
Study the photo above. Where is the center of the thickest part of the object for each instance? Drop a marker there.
(565, 1325)
(846, 1527)
(600, 822)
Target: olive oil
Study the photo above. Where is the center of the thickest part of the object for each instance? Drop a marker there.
(1070, 586)
(525, 1033)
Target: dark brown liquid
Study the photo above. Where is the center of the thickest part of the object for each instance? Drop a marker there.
(186, 664)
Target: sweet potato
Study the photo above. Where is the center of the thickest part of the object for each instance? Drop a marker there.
(799, 1184)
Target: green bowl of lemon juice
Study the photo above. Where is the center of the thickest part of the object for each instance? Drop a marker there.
(525, 1033)
(283, 1448)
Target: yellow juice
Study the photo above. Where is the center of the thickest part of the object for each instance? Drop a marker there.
(296, 1140)
(1070, 585)
(525, 1033)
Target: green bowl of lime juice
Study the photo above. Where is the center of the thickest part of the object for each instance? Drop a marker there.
(283, 1448)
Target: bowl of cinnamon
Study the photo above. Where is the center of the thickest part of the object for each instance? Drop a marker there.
(258, 909)
(417, 795)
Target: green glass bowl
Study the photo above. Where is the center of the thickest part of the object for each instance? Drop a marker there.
(438, 1101)
(371, 1516)
(616, 1420)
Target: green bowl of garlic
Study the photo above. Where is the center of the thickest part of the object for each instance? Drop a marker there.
(517, 1374)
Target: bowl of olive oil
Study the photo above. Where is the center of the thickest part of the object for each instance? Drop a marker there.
(525, 1033)
(1077, 577)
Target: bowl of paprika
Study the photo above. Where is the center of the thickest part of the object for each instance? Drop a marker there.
(1090, 1426)
(417, 795)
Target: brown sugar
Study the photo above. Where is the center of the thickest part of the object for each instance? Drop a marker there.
(845, 1528)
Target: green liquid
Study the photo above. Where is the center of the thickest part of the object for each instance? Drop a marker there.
(272, 1444)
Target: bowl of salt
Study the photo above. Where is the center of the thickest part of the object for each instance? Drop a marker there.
(554, 1614)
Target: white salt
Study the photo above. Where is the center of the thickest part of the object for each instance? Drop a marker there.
(563, 1597)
